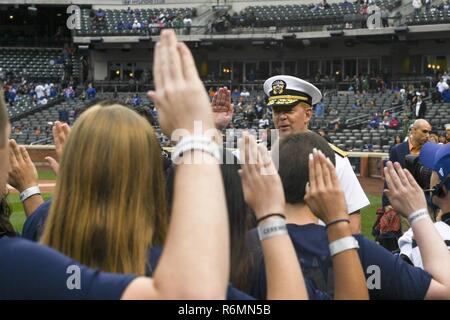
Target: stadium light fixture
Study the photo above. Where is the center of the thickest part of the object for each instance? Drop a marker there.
(11, 17)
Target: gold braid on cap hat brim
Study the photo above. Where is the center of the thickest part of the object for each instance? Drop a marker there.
(286, 99)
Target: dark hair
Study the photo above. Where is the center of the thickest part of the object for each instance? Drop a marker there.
(6, 228)
(294, 153)
(4, 120)
(239, 220)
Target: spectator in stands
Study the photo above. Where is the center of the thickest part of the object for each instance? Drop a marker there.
(136, 102)
(385, 122)
(417, 5)
(211, 92)
(53, 91)
(91, 92)
(346, 5)
(397, 140)
(63, 115)
(442, 85)
(136, 25)
(442, 139)
(384, 13)
(324, 135)
(178, 24)
(394, 123)
(236, 94)
(69, 93)
(187, 22)
(374, 122)
(245, 94)
(325, 5)
(433, 138)
(40, 92)
(427, 5)
(420, 107)
(446, 96)
(320, 110)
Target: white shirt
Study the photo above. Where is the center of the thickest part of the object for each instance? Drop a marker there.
(413, 253)
(245, 94)
(354, 194)
(47, 89)
(417, 4)
(441, 86)
(187, 21)
(418, 104)
(39, 91)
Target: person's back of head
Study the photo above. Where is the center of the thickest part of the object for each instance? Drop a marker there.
(109, 204)
(293, 153)
(6, 228)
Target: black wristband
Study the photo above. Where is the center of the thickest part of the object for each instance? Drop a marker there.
(271, 215)
(337, 221)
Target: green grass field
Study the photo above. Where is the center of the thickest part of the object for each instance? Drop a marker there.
(18, 216)
(46, 174)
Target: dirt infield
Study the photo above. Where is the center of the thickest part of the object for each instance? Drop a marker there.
(372, 186)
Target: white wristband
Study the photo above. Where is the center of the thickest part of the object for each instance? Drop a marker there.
(203, 143)
(343, 244)
(25, 194)
(417, 215)
(272, 228)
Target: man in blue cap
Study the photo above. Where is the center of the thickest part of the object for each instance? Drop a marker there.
(435, 157)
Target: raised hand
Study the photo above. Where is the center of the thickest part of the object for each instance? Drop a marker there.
(324, 195)
(263, 190)
(179, 95)
(23, 173)
(222, 108)
(404, 194)
(60, 135)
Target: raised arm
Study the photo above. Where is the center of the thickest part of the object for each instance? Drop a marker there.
(24, 177)
(195, 261)
(326, 200)
(264, 193)
(60, 135)
(406, 196)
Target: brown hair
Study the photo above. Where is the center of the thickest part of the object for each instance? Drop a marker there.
(4, 119)
(294, 153)
(109, 205)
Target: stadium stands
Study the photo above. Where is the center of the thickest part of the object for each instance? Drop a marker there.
(35, 64)
(430, 17)
(120, 22)
(306, 15)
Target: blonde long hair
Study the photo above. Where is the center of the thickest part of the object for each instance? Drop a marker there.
(109, 206)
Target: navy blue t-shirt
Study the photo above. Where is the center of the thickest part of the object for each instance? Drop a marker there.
(34, 224)
(232, 292)
(32, 271)
(398, 279)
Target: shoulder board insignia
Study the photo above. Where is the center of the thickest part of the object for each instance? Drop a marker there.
(340, 152)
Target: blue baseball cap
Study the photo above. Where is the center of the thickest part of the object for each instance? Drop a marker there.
(437, 158)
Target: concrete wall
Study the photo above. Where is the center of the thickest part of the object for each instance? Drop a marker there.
(38, 154)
